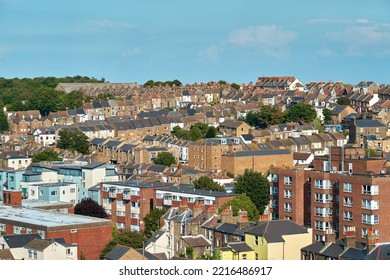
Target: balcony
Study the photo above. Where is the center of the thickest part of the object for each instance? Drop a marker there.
(167, 202)
(135, 210)
(126, 196)
(112, 194)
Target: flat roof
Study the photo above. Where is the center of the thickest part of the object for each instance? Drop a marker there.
(47, 220)
(190, 189)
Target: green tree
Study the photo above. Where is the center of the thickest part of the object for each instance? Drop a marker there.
(266, 116)
(235, 86)
(343, 101)
(4, 125)
(130, 239)
(73, 141)
(222, 82)
(195, 134)
(242, 202)
(327, 115)
(206, 183)
(165, 158)
(46, 155)
(300, 112)
(256, 186)
(152, 221)
(211, 132)
(180, 133)
(89, 207)
(317, 123)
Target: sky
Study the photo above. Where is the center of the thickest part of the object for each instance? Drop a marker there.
(196, 41)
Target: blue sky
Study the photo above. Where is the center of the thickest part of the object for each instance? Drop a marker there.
(196, 41)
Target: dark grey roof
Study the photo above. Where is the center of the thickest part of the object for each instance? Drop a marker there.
(259, 153)
(247, 137)
(368, 123)
(240, 246)
(19, 241)
(233, 229)
(314, 248)
(93, 165)
(157, 168)
(126, 148)
(117, 252)
(338, 109)
(156, 149)
(112, 144)
(190, 189)
(147, 255)
(275, 230)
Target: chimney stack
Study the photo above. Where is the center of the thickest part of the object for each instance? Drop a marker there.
(243, 220)
(12, 198)
(227, 215)
(182, 207)
(371, 240)
(350, 237)
(330, 236)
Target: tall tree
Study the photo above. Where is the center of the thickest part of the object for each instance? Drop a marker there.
(89, 207)
(4, 125)
(206, 183)
(242, 202)
(266, 116)
(211, 132)
(256, 186)
(165, 158)
(327, 115)
(73, 141)
(300, 112)
(152, 221)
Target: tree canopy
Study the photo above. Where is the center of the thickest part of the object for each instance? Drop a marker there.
(343, 101)
(242, 202)
(89, 207)
(206, 183)
(152, 221)
(301, 112)
(46, 155)
(265, 117)
(256, 186)
(73, 141)
(165, 158)
(130, 239)
(4, 125)
(327, 115)
(196, 132)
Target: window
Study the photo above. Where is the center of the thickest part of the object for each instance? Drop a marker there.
(274, 203)
(53, 193)
(17, 230)
(225, 237)
(287, 180)
(256, 240)
(135, 215)
(120, 225)
(2, 227)
(319, 225)
(365, 231)
(274, 190)
(177, 198)
(256, 256)
(69, 252)
(32, 254)
(323, 211)
(120, 203)
(273, 177)
(348, 187)
(347, 201)
(323, 198)
(319, 237)
(274, 216)
(370, 204)
(370, 219)
(72, 190)
(287, 207)
(121, 213)
(244, 256)
(347, 216)
(323, 184)
(134, 204)
(370, 189)
(287, 193)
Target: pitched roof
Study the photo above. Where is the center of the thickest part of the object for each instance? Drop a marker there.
(259, 153)
(274, 230)
(196, 241)
(5, 254)
(240, 246)
(368, 123)
(19, 241)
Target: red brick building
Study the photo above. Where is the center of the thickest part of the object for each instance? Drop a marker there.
(90, 234)
(323, 199)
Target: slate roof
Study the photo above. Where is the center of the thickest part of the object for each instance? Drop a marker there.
(117, 252)
(154, 237)
(259, 153)
(19, 241)
(5, 254)
(93, 165)
(275, 230)
(368, 123)
(240, 246)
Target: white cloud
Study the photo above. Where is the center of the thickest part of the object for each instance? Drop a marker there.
(336, 21)
(269, 39)
(325, 51)
(131, 52)
(359, 40)
(211, 53)
(109, 24)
